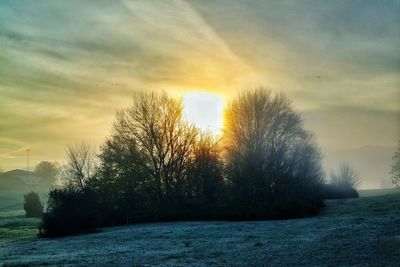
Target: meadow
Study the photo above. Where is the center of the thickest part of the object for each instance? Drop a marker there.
(360, 232)
(13, 223)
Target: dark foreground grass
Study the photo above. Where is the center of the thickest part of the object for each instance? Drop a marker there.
(14, 225)
(18, 229)
(359, 232)
(369, 204)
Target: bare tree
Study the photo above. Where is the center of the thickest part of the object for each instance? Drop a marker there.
(346, 177)
(395, 171)
(269, 155)
(80, 164)
(154, 123)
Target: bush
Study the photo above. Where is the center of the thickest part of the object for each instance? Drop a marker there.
(395, 170)
(343, 184)
(32, 205)
(332, 191)
(70, 211)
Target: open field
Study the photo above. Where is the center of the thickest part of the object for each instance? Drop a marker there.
(13, 224)
(361, 232)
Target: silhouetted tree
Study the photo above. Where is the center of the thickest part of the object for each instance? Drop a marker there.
(273, 165)
(205, 186)
(74, 208)
(156, 166)
(346, 177)
(125, 186)
(343, 184)
(70, 210)
(395, 171)
(48, 171)
(32, 205)
(160, 164)
(80, 166)
(155, 125)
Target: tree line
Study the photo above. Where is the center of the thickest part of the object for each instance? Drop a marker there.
(156, 166)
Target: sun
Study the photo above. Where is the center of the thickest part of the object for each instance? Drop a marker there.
(204, 110)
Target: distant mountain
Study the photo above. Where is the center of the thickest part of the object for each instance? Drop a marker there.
(372, 162)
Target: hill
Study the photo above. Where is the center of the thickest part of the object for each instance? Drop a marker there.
(15, 179)
(21, 181)
(14, 184)
(362, 232)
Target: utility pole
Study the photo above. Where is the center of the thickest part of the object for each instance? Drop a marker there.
(27, 164)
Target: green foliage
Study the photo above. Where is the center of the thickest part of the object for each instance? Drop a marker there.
(32, 205)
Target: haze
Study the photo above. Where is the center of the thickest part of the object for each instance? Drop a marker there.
(66, 67)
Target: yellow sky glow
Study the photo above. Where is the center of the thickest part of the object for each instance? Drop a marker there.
(62, 87)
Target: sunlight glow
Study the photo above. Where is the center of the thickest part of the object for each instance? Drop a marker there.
(205, 110)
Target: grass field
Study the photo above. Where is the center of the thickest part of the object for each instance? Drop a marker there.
(361, 232)
(13, 223)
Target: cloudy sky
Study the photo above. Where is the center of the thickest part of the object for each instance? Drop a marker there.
(66, 66)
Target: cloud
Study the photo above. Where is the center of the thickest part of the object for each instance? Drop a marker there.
(334, 52)
(65, 67)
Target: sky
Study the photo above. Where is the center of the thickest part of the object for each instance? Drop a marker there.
(67, 66)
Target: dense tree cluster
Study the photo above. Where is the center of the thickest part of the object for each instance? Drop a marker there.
(157, 166)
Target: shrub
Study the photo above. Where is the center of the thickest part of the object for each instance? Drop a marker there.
(332, 191)
(395, 170)
(70, 211)
(343, 184)
(32, 205)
